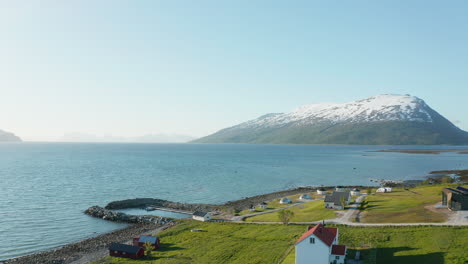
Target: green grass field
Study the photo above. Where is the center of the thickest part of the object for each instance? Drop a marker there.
(274, 204)
(250, 243)
(221, 243)
(306, 212)
(404, 206)
(404, 245)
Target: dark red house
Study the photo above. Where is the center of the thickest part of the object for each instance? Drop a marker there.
(141, 240)
(125, 251)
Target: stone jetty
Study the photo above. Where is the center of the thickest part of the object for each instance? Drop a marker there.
(99, 212)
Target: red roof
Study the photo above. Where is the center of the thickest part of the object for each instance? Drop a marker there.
(339, 250)
(326, 234)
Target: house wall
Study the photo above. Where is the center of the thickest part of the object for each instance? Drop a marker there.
(198, 218)
(337, 261)
(329, 205)
(307, 253)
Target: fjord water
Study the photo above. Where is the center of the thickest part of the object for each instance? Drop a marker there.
(44, 187)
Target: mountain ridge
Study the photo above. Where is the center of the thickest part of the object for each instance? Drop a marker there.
(383, 119)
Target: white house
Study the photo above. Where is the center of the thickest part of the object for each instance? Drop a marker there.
(334, 200)
(319, 245)
(201, 216)
(285, 200)
(356, 192)
(321, 191)
(384, 189)
(305, 197)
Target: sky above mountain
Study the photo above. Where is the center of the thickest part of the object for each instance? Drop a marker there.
(130, 68)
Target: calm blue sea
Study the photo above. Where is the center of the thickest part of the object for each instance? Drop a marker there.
(44, 187)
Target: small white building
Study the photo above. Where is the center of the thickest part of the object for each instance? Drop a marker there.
(319, 245)
(262, 205)
(285, 200)
(321, 191)
(201, 216)
(384, 189)
(356, 192)
(340, 189)
(305, 197)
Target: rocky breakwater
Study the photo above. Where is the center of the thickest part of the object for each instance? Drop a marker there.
(99, 212)
(144, 202)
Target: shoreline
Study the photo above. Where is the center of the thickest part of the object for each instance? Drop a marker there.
(72, 252)
(423, 151)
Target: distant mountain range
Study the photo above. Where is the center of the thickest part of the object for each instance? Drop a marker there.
(8, 137)
(150, 138)
(378, 120)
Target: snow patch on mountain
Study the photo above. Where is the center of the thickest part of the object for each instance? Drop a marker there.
(385, 107)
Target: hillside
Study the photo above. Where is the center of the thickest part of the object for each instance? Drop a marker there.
(8, 137)
(378, 120)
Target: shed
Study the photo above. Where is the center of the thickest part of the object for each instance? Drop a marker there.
(321, 191)
(125, 251)
(141, 240)
(305, 197)
(356, 191)
(201, 216)
(340, 189)
(285, 200)
(262, 205)
(384, 189)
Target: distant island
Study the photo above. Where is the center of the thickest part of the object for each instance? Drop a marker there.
(378, 120)
(8, 137)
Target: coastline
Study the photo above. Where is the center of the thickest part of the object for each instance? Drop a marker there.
(73, 252)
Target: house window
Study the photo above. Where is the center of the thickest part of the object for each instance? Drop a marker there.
(337, 257)
(312, 240)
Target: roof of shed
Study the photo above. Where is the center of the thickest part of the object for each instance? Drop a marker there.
(124, 248)
(199, 213)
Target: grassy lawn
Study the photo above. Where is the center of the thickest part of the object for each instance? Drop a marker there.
(274, 204)
(306, 212)
(388, 245)
(249, 243)
(221, 243)
(403, 206)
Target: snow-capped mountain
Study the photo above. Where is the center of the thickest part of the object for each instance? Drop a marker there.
(377, 108)
(8, 137)
(381, 119)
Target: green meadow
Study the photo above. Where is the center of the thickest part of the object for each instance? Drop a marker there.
(251, 243)
(306, 212)
(404, 206)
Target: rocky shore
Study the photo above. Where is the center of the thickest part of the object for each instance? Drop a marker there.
(72, 252)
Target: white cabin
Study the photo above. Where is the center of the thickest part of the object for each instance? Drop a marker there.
(384, 189)
(201, 216)
(321, 191)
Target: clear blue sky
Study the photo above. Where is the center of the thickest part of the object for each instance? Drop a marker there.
(129, 68)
